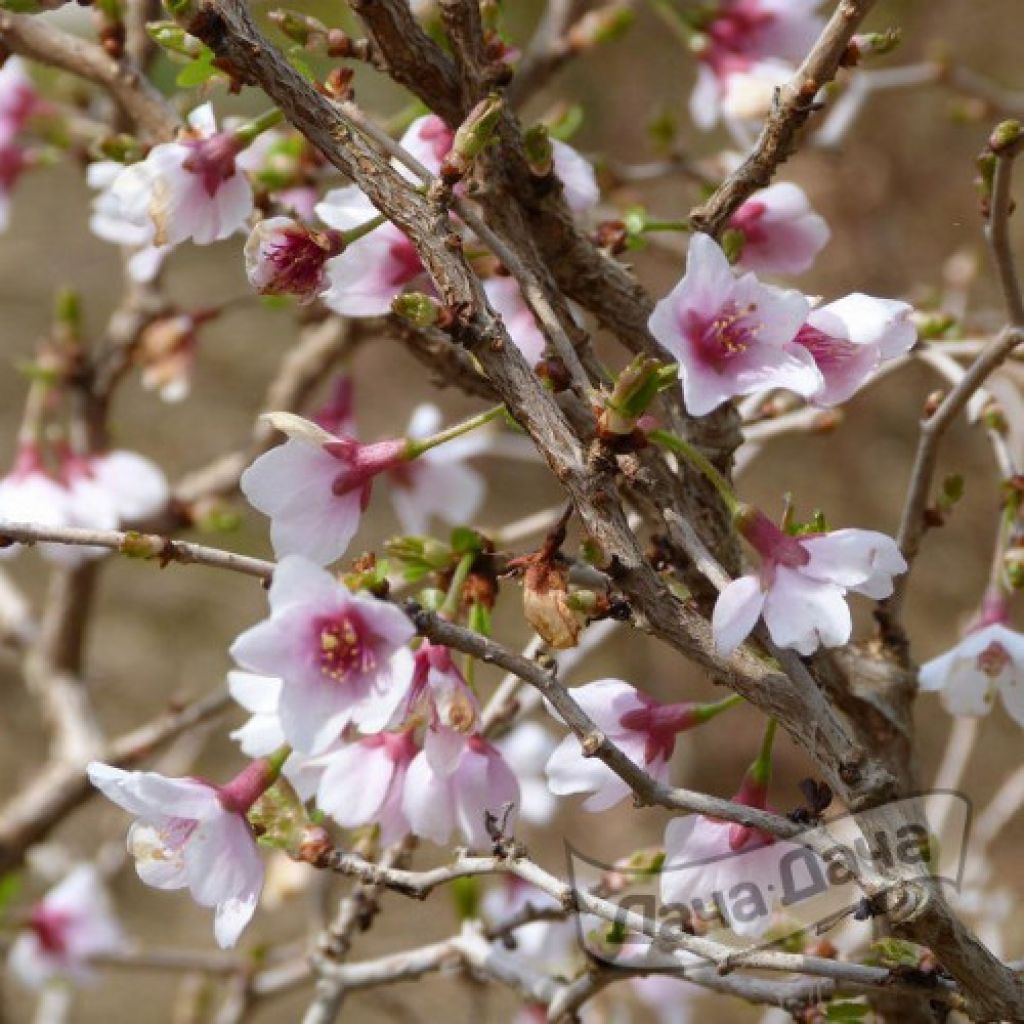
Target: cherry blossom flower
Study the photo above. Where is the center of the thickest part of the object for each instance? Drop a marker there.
(438, 483)
(526, 749)
(262, 734)
(642, 728)
(802, 584)
(439, 693)
(316, 486)
(989, 659)
(167, 353)
(19, 99)
(455, 785)
(749, 40)
(850, 338)
(713, 864)
(731, 334)
(283, 257)
(374, 269)
(341, 656)
(507, 301)
(363, 783)
(73, 922)
(192, 834)
(98, 492)
(193, 188)
(781, 233)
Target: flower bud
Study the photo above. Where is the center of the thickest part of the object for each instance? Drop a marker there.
(539, 153)
(303, 29)
(419, 309)
(170, 36)
(1006, 137)
(476, 132)
(633, 392)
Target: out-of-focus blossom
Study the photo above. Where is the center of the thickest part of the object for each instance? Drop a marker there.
(731, 334)
(316, 486)
(988, 660)
(438, 483)
(709, 863)
(551, 946)
(526, 748)
(192, 188)
(99, 492)
(14, 160)
(341, 656)
(850, 338)
(781, 234)
(374, 269)
(670, 998)
(453, 783)
(644, 730)
(363, 783)
(744, 43)
(19, 99)
(167, 352)
(802, 585)
(507, 301)
(73, 922)
(192, 834)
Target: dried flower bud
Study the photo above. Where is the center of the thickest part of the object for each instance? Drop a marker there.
(546, 605)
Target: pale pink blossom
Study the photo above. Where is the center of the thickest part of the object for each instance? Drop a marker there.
(576, 172)
(192, 834)
(526, 748)
(439, 483)
(262, 734)
(31, 494)
(19, 99)
(731, 334)
(987, 661)
(781, 233)
(644, 730)
(373, 270)
(454, 785)
(550, 946)
(506, 299)
(134, 487)
(802, 584)
(429, 140)
(341, 656)
(439, 693)
(283, 257)
(363, 783)
(744, 39)
(850, 338)
(192, 188)
(71, 924)
(712, 864)
(316, 486)
(670, 998)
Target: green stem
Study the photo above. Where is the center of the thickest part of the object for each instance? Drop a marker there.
(276, 760)
(450, 608)
(354, 234)
(415, 447)
(761, 769)
(700, 462)
(705, 712)
(251, 130)
(666, 225)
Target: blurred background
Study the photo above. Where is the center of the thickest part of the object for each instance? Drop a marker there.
(901, 204)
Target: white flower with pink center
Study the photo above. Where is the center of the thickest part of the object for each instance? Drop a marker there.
(283, 257)
(987, 661)
(717, 865)
(454, 783)
(373, 270)
(341, 656)
(71, 924)
(801, 587)
(731, 334)
(439, 483)
(194, 188)
(749, 39)
(781, 233)
(192, 834)
(642, 728)
(506, 299)
(363, 783)
(316, 486)
(850, 338)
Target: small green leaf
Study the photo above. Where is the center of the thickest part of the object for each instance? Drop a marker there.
(197, 72)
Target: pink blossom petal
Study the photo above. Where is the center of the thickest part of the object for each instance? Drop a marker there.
(736, 613)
